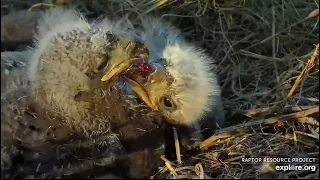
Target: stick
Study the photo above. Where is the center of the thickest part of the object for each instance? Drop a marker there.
(168, 164)
(225, 132)
(176, 143)
(305, 71)
(263, 121)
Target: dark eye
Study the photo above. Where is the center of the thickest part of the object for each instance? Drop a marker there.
(167, 102)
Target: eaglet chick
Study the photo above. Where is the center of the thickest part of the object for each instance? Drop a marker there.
(73, 59)
(34, 127)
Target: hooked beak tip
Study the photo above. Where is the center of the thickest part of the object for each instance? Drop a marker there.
(105, 78)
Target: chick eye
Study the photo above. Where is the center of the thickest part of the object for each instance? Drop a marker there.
(167, 102)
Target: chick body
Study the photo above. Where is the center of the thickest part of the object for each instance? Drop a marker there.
(64, 70)
(69, 49)
(65, 90)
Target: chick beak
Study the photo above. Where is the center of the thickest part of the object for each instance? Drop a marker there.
(115, 67)
(147, 81)
(142, 93)
(128, 60)
(126, 54)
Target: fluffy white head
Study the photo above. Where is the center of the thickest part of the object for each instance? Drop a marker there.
(195, 89)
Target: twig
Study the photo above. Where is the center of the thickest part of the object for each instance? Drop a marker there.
(160, 171)
(225, 132)
(254, 112)
(176, 143)
(168, 164)
(305, 71)
(295, 138)
(287, 116)
(316, 135)
(208, 142)
(307, 134)
(199, 170)
(299, 108)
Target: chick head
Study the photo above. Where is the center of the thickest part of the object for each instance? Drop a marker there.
(177, 79)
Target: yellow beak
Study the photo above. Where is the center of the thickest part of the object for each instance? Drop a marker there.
(150, 86)
(118, 67)
(122, 61)
(115, 68)
(127, 53)
(142, 93)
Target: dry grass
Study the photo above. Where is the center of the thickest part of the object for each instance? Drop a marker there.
(287, 135)
(262, 47)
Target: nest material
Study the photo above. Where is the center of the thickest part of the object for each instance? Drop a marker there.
(261, 48)
(290, 135)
